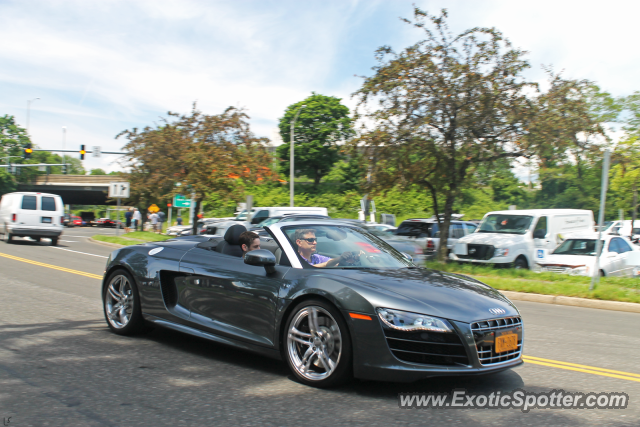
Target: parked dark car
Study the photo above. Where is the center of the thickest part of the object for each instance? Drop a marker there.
(368, 312)
(88, 218)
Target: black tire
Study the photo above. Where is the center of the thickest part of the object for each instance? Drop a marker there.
(134, 321)
(602, 273)
(520, 263)
(37, 239)
(54, 241)
(8, 237)
(328, 338)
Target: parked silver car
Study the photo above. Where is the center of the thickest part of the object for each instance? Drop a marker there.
(425, 233)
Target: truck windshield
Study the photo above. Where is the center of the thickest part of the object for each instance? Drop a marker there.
(507, 224)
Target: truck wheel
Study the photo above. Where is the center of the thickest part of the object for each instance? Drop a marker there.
(520, 263)
(8, 237)
(37, 239)
(54, 241)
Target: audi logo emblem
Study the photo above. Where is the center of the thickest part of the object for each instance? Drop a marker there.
(497, 311)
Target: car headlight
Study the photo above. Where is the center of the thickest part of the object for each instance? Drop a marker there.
(501, 252)
(579, 270)
(405, 321)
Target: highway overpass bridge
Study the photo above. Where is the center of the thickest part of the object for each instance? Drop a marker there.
(75, 189)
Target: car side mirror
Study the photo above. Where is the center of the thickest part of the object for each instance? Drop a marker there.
(261, 257)
(539, 234)
(257, 220)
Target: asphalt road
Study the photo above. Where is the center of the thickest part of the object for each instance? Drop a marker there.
(60, 365)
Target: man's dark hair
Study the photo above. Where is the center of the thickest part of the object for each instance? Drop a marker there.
(247, 237)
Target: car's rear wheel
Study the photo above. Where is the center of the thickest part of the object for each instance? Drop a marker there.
(37, 239)
(121, 303)
(317, 346)
(54, 241)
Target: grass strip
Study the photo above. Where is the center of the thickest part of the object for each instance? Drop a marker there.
(133, 238)
(625, 289)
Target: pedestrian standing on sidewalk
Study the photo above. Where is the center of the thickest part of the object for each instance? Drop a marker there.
(161, 217)
(154, 222)
(137, 220)
(128, 217)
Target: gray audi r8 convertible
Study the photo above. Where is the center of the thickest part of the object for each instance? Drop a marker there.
(331, 299)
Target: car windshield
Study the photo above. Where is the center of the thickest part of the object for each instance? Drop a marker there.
(242, 216)
(340, 246)
(606, 225)
(507, 224)
(578, 247)
(269, 221)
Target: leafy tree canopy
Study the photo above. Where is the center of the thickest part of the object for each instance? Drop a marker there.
(321, 125)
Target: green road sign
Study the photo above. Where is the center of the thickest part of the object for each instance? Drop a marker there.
(181, 201)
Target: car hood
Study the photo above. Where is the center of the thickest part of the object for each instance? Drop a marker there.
(431, 292)
(568, 260)
(498, 240)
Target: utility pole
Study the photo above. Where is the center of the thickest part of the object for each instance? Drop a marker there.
(595, 277)
(291, 159)
(29, 111)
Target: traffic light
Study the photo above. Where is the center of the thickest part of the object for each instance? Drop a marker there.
(168, 205)
(27, 151)
(64, 169)
(82, 152)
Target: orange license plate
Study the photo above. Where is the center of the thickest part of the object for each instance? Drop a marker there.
(507, 342)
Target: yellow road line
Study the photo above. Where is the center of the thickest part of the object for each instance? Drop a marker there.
(55, 267)
(582, 368)
(592, 368)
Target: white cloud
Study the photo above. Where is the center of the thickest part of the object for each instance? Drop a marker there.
(102, 67)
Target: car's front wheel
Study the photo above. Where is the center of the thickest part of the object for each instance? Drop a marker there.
(121, 303)
(317, 346)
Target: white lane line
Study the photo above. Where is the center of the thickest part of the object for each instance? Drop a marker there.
(69, 241)
(84, 253)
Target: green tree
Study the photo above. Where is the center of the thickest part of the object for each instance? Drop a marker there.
(625, 175)
(209, 155)
(97, 171)
(322, 124)
(446, 105)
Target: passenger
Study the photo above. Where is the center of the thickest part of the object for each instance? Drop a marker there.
(249, 241)
(307, 242)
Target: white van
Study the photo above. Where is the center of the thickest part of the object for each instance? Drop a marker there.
(35, 215)
(520, 237)
(259, 214)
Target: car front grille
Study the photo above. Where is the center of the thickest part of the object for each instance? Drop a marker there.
(556, 269)
(482, 252)
(432, 348)
(486, 353)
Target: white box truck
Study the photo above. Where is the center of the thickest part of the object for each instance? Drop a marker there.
(519, 238)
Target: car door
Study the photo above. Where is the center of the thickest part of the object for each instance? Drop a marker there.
(28, 214)
(613, 259)
(456, 231)
(541, 238)
(625, 250)
(48, 212)
(230, 297)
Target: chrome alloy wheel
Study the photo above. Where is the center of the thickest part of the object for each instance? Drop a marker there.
(118, 302)
(314, 343)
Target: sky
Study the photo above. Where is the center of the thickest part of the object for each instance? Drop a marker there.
(101, 67)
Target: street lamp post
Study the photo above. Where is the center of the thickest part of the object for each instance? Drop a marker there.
(291, 159)
(29, 110)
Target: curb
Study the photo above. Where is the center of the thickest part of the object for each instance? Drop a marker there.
(113, 245)
(629, 307)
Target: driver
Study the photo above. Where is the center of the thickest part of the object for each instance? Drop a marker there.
(307, 242)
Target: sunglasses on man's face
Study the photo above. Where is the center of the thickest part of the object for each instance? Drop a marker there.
(311, 240)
